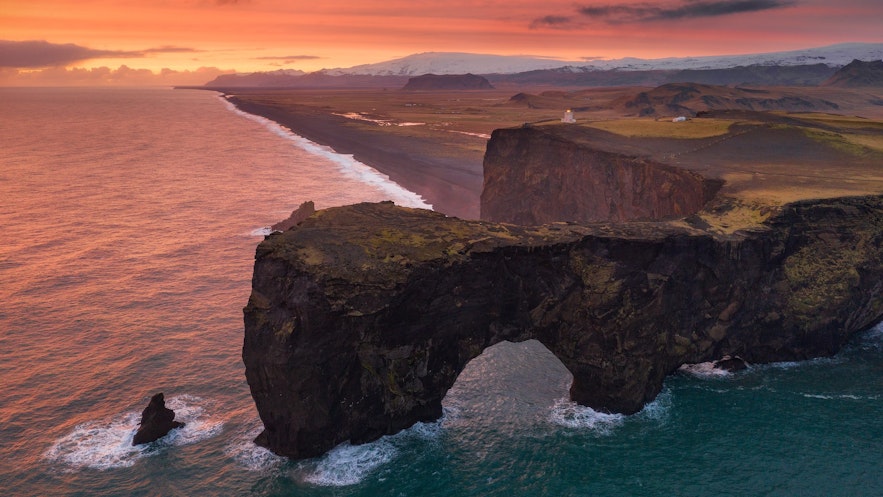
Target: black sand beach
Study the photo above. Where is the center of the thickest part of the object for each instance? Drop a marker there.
(450, 180)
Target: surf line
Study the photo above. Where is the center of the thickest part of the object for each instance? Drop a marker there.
(346, 163)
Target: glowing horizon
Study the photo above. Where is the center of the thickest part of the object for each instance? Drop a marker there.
(197, 38)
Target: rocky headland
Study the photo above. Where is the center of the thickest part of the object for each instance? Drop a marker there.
(361, 317)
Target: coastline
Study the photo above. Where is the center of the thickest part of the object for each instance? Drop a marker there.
(451, 184)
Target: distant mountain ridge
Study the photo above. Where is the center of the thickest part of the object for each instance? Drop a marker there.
(448, 82)
(858, 74)
(809, 66)
(460, 63)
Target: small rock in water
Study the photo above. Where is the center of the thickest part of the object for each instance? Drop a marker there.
(157, 421)
(731, 364)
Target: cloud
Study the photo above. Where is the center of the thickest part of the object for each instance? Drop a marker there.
(105, 76)
(39, 53)
(166, 49)
(288, 59)
(45, 54)
(689, 9)
(554, 22)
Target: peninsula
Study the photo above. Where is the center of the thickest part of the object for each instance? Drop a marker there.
(626, 245)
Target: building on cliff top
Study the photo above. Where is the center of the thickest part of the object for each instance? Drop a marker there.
(568, 117)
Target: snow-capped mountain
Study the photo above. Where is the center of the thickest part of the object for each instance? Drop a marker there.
(453, 63)
(460, 63)
(832, 56)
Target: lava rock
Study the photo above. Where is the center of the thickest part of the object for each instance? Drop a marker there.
(157, 421)
(362, 317)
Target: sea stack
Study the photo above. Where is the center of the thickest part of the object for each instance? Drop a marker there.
(157, 421)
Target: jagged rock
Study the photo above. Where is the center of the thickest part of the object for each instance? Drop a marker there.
(362, 317)
(305, 210)
(157, 421)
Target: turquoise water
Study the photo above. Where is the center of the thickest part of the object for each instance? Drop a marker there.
(128, 231)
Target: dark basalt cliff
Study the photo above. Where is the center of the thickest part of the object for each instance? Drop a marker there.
(361, 317)
(535, 175)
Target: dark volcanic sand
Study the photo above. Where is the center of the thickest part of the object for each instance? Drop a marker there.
(449, 180)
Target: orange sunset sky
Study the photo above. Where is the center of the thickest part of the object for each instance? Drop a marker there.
(191, 41)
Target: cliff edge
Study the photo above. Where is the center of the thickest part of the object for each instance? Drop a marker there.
(362, 317)
(539, 174)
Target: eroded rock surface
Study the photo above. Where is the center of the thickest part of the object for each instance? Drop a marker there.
(361, 317)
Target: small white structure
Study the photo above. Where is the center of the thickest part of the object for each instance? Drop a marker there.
(568, 117)
(679, 119)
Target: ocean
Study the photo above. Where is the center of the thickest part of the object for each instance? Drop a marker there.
(129, 223)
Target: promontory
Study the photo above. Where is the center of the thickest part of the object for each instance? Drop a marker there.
(625, 262)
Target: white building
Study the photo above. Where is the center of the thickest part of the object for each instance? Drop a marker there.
(568, 117)
(679, 119)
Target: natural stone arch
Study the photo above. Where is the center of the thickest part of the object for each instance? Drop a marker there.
(362, 317)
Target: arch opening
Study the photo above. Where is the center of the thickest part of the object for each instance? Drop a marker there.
(508, 384)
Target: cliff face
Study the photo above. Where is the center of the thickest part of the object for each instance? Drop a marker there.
(361, 317)
(533, 176)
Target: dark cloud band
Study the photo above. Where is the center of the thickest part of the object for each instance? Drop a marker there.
(649, 12)
(38, 53)
(560, 22)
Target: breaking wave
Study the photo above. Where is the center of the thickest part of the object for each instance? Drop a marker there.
(704, 370)
(569, 414)
(107, 444)
(349, 464)
(251, 456)
(347, 165)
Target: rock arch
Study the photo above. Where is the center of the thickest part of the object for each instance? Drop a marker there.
(509, 383)
(362, 317)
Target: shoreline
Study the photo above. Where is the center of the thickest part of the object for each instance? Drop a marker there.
(452, 185)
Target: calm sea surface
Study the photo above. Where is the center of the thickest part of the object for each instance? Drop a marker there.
(128, 226)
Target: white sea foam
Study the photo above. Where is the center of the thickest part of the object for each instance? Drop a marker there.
(569, 414)
(266, 230)
(479, 135)
(349, 464)
(345, 163)
(99, 445)
(107, 444)
(659, 409)
(198, 424)
(251, 456)
(839, 396)
(704, 370)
